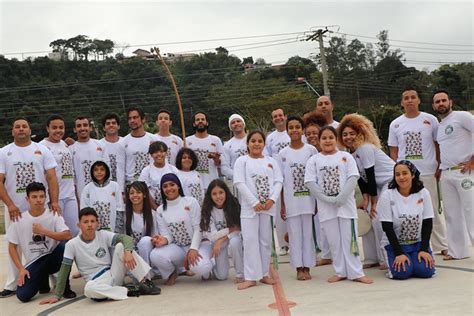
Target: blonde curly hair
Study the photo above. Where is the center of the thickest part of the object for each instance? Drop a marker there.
(364, 128)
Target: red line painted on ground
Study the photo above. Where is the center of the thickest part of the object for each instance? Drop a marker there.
(281, 304)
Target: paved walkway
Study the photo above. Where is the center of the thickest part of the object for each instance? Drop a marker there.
(450, 292)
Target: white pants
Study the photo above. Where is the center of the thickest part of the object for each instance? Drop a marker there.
(339, 234)
(438, 238)
(109, 284)
(300, 231)
(321, 239)
(257, 238)
(373, 252)
(171, 257)
(144, 247)
(280, 226)
(236, 251)
(457, 190)
(70, 213)
(12, 274)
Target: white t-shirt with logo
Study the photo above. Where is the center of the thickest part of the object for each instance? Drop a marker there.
(23, 165)
(174, 144)
(106, 200)
(233, 149)
(275, 142)
(203, 147)
(415, 139)
(84, 154)
(331, 172)
(192, 184)
(152, 175)
(455, 138)
(139, 228)
(260, 175)
(136, 155)
(91, 257)
(406, 214)
(367, 156)
(115, 153)
(34, 246)
(65, 169)
(298, 199)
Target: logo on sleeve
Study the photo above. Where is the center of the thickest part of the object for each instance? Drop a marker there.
(426, 122)
(344, 159)
(420, 201)
(38, 152)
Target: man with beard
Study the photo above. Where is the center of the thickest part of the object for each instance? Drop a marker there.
(21, 163)
(208, 148)
(136, 145)
(114, 148)
(455, 139)
(234, 147)
(174, 143)
(276, 141)
(85, 151)
(325, 107)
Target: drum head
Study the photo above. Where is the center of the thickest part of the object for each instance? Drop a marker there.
(364, 223)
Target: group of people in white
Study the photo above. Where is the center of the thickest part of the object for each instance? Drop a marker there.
(154, 206)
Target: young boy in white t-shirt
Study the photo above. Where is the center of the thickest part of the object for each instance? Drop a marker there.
(104, 274)
(40, 235)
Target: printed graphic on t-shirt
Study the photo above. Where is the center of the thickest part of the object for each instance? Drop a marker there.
(280, 146)
(25, 174)
(157, 196)
(180, 234)
(299, 188)
(414, 148)
(86, 170)
(113, 166)
(38, 244)
(100, 253)
(220, 225)
(196, 191)
(66, 165)
(263, 187)
(410, 226)
(136, 236)
(169, 155)
(203, 161)
(103, 210)
(331, 183)
(141, 161)
(241, 152)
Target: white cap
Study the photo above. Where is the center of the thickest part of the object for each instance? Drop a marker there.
(236, 116)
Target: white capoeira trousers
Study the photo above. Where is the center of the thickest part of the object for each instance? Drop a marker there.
(458, 198)
(438, 238)
(109, 284)
(70, 213)
(171, 257)
(12, 274)
(338, 232)
(321, 239)
(280, 226)
(257, 239)
(234, 248)
(300, 234)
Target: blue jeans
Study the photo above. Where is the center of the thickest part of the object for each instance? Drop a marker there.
(40, 270)
(415, 268)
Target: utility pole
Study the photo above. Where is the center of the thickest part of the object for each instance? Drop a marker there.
(318, 35)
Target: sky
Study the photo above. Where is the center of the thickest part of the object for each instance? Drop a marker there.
(431, 32)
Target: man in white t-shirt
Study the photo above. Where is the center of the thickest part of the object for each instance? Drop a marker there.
(21, 163)
(325, 107)
(85, 151)
(136, 145)
(174, 143)
(234, 147)
(456, 142)
(114, 149)
(40, 235)
(412, 136)
(276, 141)
(208, 148)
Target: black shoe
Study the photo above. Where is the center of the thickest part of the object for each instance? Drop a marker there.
(149, 288)
(133, 290)
(44, 285)
(7, 293)
(68, 293)
(99, 299)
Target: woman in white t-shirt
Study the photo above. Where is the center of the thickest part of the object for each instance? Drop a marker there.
(140, 218)
(406, 213)
(297, 204)
(258, 180)
(186, 162)
(358, 135)
(179, 244)
(220, 223)
(331, 176)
